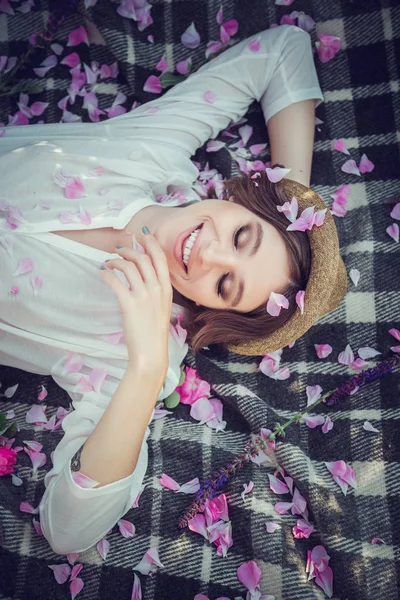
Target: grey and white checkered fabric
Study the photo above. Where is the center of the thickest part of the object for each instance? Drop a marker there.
(362, 105)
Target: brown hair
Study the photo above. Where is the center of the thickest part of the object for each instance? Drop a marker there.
(207, 326)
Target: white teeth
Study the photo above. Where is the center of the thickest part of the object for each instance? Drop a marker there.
(187, 248)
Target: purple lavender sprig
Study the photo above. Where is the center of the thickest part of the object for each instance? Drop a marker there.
(211, 487)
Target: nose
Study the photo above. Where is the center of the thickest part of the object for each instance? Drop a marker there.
(213, 255)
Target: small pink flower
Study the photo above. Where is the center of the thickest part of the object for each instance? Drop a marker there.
(8, 458)
(302, 529)
(193, 387)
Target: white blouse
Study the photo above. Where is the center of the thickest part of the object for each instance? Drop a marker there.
(119, 167)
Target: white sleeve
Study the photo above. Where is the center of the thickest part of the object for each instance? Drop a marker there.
(281, 72)
(74, 518)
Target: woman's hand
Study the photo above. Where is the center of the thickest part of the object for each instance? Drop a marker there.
(145, 305)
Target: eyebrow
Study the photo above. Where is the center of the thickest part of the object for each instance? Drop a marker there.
(254, 250)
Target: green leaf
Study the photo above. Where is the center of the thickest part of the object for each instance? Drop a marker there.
(173, 400)
(2, 420)
(9, 430)
(169, 79)
(182, 377)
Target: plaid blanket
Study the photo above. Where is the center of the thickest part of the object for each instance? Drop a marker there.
(362, 105)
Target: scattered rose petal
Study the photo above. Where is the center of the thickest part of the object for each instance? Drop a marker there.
(395, 214)
(36, 414)
(249, 574)
(343, 474)
(198, 525)
(340, 146)
(351, 168)
(153, 85)
(365, 166)
(71, 60)
(149, 559)
(37, 527)
(276, 174)
(327, 426)
(209, 97)
(78, 36)
(126, 528)
(191, 38)
(275, 303)
(323, 350)
(369, 427)
(36, 283)
(327, 47)
(25, 265)
(26, 507)
(302, 529)
(355, 276)
(368, 352)
(395, 333)
(61, 572)
(313, 393)
(282, 507)
(169, 483)
(137, 588)
(393, 231)
(277, 486)
(248, 487)
(190, 487)
(347, 356)
(75, 587)
(377, 540)
(72, 557)
(289, 209)
(300, 300)
(202, 410)
(271, 527)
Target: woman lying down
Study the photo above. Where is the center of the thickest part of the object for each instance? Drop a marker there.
(77, 195)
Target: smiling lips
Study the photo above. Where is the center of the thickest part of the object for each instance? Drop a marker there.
(184, 246)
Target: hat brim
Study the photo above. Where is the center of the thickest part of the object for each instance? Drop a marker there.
(326, 285)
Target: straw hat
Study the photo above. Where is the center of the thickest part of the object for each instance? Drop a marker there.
(326, 286)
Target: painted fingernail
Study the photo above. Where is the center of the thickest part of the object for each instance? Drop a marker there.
(145, 230)
(103, 268)
(119, 246)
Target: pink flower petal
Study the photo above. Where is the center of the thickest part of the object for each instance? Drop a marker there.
(302, 529)
(153, 85)
(137, 588)
(351, 168)
(74, 188)
(393, 231)
(299, 503)
(395, 214)
(28, 508)
(323, 350)
(184, 66)
(324, 579)
(209, 97)
(395, 333)
(313, 422)
(369, 427)
(368, 352)
(327, 426)
(5, 7)
(73, 363)
(271, 527)
(300, 300)
(254, 45)
(38, 459)
(36, 414)
(327, 47)
(366, 166)
(289, 209)
(149, 559)
(249, 574)
(377, 540)
(198, 525)
(340, 146)
(277, 486)
(71, 60)
(169, 483)
(347, 356)
(83, 480)
(126, 528)
(313, 393)
(75, 587)
(282, 507)
(248, 487)
(190, 487)
(213, 48)
(61, 572)
(25, 265)
(275, 303)
(256, 149)
(78, 36)
(227, 30)
(202, 410)
(72, 557)
(37, 527)
(276, 174)
(76, 569)
(355, 276)
(191, 38)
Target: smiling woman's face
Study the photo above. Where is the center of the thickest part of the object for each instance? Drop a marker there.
(234, 260)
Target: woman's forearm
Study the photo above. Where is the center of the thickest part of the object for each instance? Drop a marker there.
(291, 136)
(112, 450)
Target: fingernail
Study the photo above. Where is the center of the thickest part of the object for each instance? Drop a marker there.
(119, 246)
(103, 268)
(145, 230)
(108, 260)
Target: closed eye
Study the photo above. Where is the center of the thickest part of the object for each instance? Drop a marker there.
(236, 242)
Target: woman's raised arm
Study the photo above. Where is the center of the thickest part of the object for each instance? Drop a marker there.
(277, 69)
